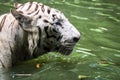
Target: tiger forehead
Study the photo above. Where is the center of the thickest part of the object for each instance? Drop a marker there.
(35, 8)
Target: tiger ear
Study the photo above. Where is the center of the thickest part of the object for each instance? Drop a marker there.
(20, 17)
(16, 14)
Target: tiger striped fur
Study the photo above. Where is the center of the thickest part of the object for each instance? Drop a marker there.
(33, 29)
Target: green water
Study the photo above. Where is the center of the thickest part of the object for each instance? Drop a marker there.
(97, 54)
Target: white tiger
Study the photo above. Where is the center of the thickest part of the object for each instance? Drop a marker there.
(33, 29)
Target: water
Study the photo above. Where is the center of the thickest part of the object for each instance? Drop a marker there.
(97, 54)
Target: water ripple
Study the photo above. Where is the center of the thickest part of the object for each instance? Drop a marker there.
(77, 17)
(98, 4)
(101, 9)
(85, 51)
(100, 29)
(117, 55)
(93, 8)
(110, 49)
(109, 16)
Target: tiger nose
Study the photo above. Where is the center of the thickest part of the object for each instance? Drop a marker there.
(76, 39)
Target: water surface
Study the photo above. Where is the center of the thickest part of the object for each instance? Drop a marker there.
(95, 57)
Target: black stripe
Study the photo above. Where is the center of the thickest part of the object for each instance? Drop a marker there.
(39, 41)
(54, 30)
(59, 38)
(47, 34)
(36, 8)
(2, 22)
(48, 11)
(20, 25)
(42, 8)
(46, 28)
(36, 13)
(11, 49)
(22, 6)
(46, 21)
(2, 63)
(11, 24)
(29, 6)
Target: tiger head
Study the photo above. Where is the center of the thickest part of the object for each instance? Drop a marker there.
(47, 28)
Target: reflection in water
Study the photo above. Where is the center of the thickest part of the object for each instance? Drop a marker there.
(97, 54)
(4, 75)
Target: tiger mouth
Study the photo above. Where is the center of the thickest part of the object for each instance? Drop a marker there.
(65, 50)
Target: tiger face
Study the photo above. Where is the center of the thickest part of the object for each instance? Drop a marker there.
(48, 30)
(60, 35)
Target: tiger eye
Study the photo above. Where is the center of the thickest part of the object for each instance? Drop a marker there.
(53, 15)
(48, 11)
(58, 23)
(40, 16)
(46, 21)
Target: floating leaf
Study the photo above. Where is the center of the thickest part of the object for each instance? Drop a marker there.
(82, 77)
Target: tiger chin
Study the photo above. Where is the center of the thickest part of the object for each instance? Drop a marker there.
(33, 29)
